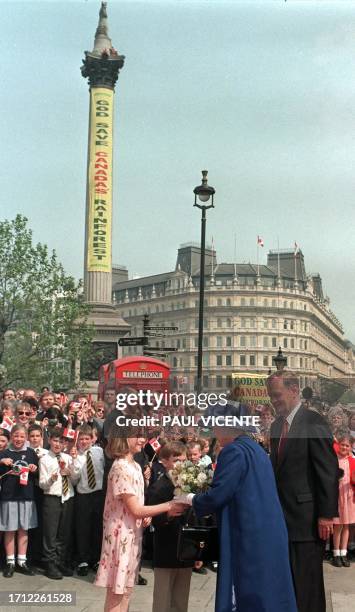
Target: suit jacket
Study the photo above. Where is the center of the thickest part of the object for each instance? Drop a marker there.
(307, 475)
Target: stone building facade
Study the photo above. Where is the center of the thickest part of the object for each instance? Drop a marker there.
(250, 311)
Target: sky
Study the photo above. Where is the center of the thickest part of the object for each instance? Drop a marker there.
(261, 94)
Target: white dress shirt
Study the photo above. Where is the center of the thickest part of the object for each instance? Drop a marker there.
(292, 415)
(48, 465)
(98, 460)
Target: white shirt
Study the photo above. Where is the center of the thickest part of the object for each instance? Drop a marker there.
(48, 465)
(40, 452)
(98, 460)
(292, 415)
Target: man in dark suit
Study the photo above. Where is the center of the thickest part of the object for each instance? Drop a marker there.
(306, 472)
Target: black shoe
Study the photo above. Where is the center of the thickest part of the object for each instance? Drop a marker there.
(345, 561)
(53, 572)
(9, 570)
(25, 570)
(200, 570)
(141, 581)
(83, 570)
(65, 571)
(336, 561)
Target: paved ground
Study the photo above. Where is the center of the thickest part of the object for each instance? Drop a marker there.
(340, 584)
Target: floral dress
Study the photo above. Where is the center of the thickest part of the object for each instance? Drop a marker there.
(122, 534)
(346, 496)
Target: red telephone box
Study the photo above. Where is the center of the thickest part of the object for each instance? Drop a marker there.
(139, 373)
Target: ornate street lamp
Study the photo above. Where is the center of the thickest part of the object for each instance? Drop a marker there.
(280, 361)
(203, 193)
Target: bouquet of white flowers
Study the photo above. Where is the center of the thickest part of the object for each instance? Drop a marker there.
(189, 477)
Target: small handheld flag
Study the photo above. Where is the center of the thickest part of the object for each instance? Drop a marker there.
(260, 241)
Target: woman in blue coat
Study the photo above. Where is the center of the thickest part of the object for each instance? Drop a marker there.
(254, 571)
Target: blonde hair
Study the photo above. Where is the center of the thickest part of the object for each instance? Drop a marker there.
(116, 447)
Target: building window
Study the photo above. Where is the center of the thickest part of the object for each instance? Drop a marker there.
(243, 322)
(252, 360)
(228, 360)
(219, 302)
(243, 341)
(228, 302)
(305, 345)
(229, 341)
(292, 343)
(285, 304)
(273, 342)
(219, 341)
(205, 382)
(265, 303)
(301, 362)
(252, 323)
(265, 323)
(273, 323)
(266, 342)
(229, 381)
(195, 360)
(285, 324)
(285, 342)
(219, 381)
(205, 341)
(265, 360)
(206, 359)
(292, 324)
(219, 360)
(175, 362)
(291, 304)
(252, 302)
(184, 343)
(219, 323)
(252, 340)
(274, 303)
(229, 322)
(243, 360)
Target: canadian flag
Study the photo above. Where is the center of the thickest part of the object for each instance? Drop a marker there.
(154, 444)
(69, 433)
(260, 241)
(7, 424)
(297, 248)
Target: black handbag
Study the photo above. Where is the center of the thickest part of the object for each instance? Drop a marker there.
(198, 544)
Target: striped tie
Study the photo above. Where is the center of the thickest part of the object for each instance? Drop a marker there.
(65, 483)
(90, 471)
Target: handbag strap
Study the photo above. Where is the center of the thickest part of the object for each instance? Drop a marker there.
(188, 516)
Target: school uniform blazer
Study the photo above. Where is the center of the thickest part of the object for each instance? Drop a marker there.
(307, 475)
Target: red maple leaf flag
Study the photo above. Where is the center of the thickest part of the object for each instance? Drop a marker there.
(69, 433)
(154, 444)
(7, 424)
(260, 241)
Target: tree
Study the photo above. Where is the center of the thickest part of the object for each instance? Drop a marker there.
(43, 317)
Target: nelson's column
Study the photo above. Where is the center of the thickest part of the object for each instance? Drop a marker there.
(101, 67)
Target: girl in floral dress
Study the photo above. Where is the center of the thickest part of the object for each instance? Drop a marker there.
(346, 502)
(125, 517)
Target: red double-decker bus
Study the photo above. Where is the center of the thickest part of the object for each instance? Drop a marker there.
(140, 373)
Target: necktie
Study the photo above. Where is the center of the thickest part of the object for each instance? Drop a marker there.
(90, 471)
(282, 440)
(65, 483)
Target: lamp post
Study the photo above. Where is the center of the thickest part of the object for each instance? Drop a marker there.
(204, 193)
(280, 361)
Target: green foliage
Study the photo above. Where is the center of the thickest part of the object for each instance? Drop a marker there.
(43, 318)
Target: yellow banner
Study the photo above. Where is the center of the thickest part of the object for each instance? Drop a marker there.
(100, 180)
(250, 388)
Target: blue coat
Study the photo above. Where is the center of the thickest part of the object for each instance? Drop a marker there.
(254, 571)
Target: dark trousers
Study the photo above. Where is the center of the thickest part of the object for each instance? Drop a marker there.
(307, 570)
(88, 526)
(57, 529)
(35, 536)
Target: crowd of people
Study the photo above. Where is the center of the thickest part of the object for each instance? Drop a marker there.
(77, 495)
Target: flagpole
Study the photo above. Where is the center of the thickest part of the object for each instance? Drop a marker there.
(235, 255)
(257, 255)
(295, 258)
